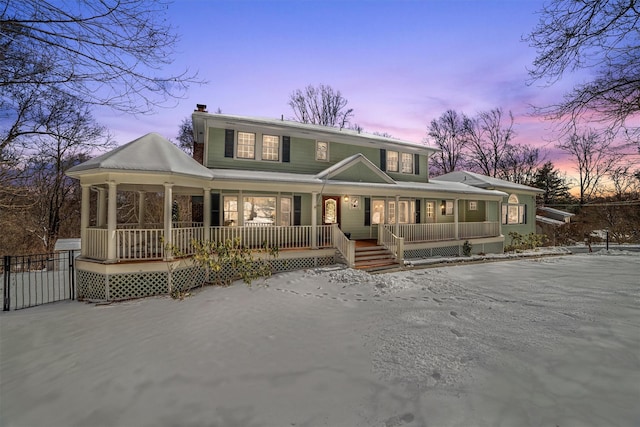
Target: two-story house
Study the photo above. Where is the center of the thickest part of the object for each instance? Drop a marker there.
(320, 194)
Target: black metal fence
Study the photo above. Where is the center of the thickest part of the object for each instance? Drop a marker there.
(31, 280)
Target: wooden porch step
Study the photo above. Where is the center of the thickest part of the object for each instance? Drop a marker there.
(375, 258)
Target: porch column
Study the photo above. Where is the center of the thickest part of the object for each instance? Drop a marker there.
(206, 214)
(141, 208)
(314, 220)
(168, 240)
(102, 208)
(397, 224)
(455, 217)
(84, 218)
(111, 223)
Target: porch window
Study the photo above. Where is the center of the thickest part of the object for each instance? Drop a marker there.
(322, 151)
(392, 161)
(405, 211)
(230, 210)
(407, 163)
(285, 211)
(270, 147)
(431, 208)
(377, 212)
(259, 210)
(246, 145)
(473, 205)
(448, 207)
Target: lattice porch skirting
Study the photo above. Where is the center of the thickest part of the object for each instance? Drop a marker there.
(113, 282)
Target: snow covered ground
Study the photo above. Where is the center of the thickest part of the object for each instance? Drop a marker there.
(552, 341)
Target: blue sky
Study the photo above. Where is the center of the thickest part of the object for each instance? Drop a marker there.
(399, 63)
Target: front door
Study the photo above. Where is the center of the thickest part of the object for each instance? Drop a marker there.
(331, 210)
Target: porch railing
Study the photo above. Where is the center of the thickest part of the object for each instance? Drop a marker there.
(345, 246)
(414, 233)
(94, 245)
(138, 244)
(149, 243)
(425, 232)
(284, 237)
(468, 230)
(390, 241)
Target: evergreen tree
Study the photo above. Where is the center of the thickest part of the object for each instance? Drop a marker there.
(555, 187)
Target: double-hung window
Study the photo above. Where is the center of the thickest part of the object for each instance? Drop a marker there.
(322, 151)
(270, 147)
(246, 145)
(406, 163)
(392, 161)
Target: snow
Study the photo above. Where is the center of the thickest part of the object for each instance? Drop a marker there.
(543, 341)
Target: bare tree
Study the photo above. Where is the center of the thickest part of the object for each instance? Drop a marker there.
(600, 36)
(106, 52)
(625, 180)
(489, 141)
(595, 157)
(39, 189)
(450, 133)
(320, 105)
(186, 140)
(519, 163)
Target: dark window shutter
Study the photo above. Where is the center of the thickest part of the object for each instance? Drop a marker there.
(297, 210)
(215, 209)
(525, 214)
(286, 149)
(228, 142)
(418, 205)
(416, 164)
(367, 211)
(383, 159)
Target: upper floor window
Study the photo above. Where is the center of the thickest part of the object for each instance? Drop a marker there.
(246, 145)
(322, 151)
(270, 147)
(407, 163)
(392, 161)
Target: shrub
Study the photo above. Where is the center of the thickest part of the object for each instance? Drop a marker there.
(466, 248)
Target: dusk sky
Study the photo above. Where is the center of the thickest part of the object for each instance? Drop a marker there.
(400, 63)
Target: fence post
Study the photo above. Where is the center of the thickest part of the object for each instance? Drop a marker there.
(6, 302)
(72, 275)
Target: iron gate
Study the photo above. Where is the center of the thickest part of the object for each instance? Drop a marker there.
(31, 280)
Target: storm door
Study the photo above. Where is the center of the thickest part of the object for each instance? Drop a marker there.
(331, 210)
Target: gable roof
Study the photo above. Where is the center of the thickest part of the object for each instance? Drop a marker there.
(483, 181)
(149, 153)
(307, 130)
(350, 163)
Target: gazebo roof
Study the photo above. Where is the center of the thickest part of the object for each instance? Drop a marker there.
(149, 153)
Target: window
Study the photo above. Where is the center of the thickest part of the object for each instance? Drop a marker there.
(514, 212)
(246, 145)
(407, 163)
(404, 209)
(322, 151)
(377, 212)
(473, 205)
(270, 147)
(392, 161)
(430, 209)
(259, 210)
(230, 210)
(285, 211)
